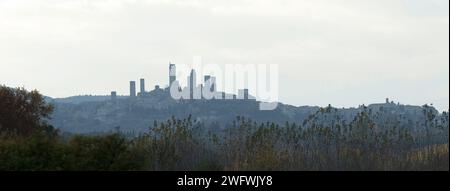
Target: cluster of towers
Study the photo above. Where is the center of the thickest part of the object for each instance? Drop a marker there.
(133, 88)
(195, 90)
(141, 92)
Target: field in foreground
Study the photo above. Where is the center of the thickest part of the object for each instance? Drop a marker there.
(187, 145)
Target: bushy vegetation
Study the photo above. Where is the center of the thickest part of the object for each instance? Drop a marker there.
(186, 144)
(22, 112)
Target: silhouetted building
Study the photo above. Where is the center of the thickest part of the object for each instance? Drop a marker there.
(213, 84)
(192, 83)
(243, 94)
(113, 96)
(207, 81)
(207, 77)
(210, 84)
(142, 86)
(132, 89)
(172, 74)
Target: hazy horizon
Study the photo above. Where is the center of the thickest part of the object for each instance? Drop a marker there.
(344, 53)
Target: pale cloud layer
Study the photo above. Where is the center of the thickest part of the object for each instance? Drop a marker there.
(342, 52)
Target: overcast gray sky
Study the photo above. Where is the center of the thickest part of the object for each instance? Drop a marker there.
(339, 52)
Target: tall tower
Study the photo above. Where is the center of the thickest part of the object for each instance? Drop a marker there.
(207, 77)
(132, 89)
(192, 83)
(142, 86)
(243, 94)
(172, 73)
(207, 80)
(213, 84)
(210, 82)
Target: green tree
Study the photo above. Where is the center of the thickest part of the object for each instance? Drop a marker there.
(22, 112)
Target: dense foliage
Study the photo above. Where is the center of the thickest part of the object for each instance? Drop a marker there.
(23, 112)
(187, 145)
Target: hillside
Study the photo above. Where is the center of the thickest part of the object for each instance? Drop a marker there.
(88, 114)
